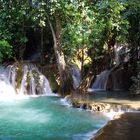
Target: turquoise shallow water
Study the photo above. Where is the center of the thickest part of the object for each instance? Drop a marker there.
(46, 118)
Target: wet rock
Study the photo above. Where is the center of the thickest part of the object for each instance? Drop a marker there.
(84, 106)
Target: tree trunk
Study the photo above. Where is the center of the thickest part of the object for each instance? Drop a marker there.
(42, 46)
(65, 78)
(86, 82)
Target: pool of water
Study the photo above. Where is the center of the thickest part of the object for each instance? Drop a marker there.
(46, 118)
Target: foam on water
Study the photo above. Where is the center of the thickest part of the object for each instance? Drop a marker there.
(65, 102)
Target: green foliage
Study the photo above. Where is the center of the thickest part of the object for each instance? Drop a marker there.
(12, 20)
(133, 15)
(89, 24)
(78, 26)
(5, 50)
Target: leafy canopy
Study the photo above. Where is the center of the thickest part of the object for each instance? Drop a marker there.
(5, 50)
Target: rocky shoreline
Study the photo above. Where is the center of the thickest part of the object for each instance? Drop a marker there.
(124, 126)
(104, 105)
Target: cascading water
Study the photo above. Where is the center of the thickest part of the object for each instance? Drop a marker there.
(22, 89)
(114, 78)
(11, 74)
(101, 81)
(32, 82)
(6, 88)
(109, 80)
(38, 82)
(24, 80)
(45, 85)
(76, 76)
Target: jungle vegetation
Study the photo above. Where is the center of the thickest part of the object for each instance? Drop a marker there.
(83, 32)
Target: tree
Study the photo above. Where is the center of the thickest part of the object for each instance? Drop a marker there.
(77, 27)
(5, 50)
(133, 15)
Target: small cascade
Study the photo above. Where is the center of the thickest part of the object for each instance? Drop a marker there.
(5, 85)
(76, 75)
(32, 82)
(101, 81)
(23, 80)
(11, 74)
(117, 78)
(22, 89)
(45, 87)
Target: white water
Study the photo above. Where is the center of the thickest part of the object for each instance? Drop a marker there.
(101, 81)
(22, 89)
(31, 82)
(11, 73)
(45, 87)
(6, 88)
(121, 55)
(76, 76)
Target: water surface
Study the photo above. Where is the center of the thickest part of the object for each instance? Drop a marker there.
(46, 118)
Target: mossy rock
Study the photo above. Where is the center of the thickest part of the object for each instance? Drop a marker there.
(53, 83)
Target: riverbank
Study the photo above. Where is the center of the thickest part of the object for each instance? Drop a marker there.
(123, 127)
(105, 104)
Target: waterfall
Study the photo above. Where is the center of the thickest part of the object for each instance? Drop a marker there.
(110, 80)
(32, 82)
(6, 88)
(11, 73)
(101, 81)
(23, 80)
(38, 82)
(76, 76)
(45, 85)
(22, 89)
